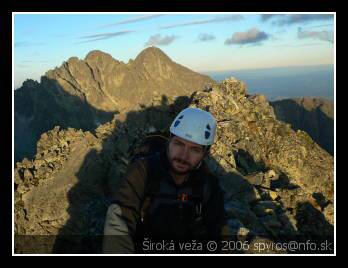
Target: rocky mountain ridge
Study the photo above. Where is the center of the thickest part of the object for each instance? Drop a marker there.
(83, 94)
(278, 182)
(312, 115)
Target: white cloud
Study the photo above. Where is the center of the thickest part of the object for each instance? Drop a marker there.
(158, 40)
(320, 35)
(206, 37)
(213, 20)
(253, 35)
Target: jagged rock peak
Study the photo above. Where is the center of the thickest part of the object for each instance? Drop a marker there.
(151, 53)
(98, 54)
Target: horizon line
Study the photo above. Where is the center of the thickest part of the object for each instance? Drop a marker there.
(263, 68)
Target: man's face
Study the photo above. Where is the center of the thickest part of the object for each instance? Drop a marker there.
(184, 155)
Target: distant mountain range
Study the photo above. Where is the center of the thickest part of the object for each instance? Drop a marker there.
(83, 94)
(285, 82)
(86, 93)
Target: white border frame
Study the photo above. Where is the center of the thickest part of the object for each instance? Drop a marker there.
(174, 13)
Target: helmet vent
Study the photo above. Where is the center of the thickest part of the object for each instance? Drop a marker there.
(177, 122)
(207, 134)
(208, 127)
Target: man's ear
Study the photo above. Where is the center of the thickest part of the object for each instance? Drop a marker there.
(207, 151)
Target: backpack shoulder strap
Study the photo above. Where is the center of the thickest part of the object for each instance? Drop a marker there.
(201, 190)
(153, 178)
(152, 184)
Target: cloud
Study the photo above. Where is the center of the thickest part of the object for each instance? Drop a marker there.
(294, 46)
(320, 26)
(251, 36)
(203, 37)
(321, 35)
(35, 61)
(29, 31)
(20, 44)
(27, 44)
(213, 20)
(22, 65)
(158, 40)
(297, 18)
(266, 17)
(282, 19)
(30, 63)
(132, 20)
(103, 36)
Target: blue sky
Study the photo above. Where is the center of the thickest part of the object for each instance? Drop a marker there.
(202, 42)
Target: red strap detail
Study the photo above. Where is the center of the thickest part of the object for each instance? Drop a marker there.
(183, 197)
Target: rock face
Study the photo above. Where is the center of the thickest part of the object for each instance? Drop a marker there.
(39, 107)
(312, 115)
(273, 175)
(278, 182)
(86, 93)
(63, 193)
(108, 84)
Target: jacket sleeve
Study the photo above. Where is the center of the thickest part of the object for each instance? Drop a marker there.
(124, 212)
(215, 210)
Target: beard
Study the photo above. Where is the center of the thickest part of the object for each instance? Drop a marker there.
(180, 167)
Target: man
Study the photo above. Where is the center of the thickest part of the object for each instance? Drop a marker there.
(171, 196)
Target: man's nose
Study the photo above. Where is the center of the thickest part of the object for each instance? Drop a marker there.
(185, 153)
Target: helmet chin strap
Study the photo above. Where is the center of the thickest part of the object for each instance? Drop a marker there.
(200, 163)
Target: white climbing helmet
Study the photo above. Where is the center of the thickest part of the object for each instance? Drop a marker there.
(195, 125)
